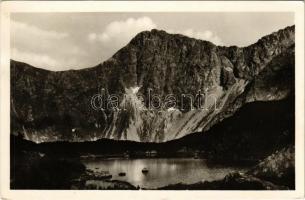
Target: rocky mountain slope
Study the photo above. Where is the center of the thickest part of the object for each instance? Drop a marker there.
(56, 106)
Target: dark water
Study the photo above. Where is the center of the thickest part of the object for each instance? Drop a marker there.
(162, 171)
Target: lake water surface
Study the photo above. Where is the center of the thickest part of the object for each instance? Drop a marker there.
(162, 171)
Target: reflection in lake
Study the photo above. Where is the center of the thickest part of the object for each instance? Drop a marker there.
(161, 171)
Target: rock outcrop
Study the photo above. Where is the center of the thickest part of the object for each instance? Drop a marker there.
(57, 106)
(233, 181)
(278, 168)
(276, 172)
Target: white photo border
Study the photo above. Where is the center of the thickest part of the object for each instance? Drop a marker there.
(297, 7)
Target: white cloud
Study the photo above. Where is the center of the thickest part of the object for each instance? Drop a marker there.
(205, 35)
(44, 48)
(118, 33)
(92, 37)
(35, 32)
(58, 50)
(45, 61)
(121, 32)
(36, 59)
(26, 37)
(126, 30)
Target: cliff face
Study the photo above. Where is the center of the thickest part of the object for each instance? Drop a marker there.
(52, 106)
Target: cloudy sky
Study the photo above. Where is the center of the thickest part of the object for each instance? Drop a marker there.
(61, 41)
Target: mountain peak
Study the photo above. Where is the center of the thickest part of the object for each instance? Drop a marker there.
(156, 63)
(154, 34)
(163, 36)
(283, 35)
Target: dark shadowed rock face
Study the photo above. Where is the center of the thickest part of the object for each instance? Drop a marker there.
(233, 181)
(35, 170)
(52, 106)
(278, 168)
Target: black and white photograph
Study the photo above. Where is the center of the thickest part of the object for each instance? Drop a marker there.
(201, 101)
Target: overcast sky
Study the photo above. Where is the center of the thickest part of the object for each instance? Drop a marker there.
(61, 41)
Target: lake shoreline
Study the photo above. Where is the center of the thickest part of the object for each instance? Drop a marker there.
(160, 171)
(63, 171)
(232, 181)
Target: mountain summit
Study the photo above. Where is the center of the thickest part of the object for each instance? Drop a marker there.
(57, 106)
